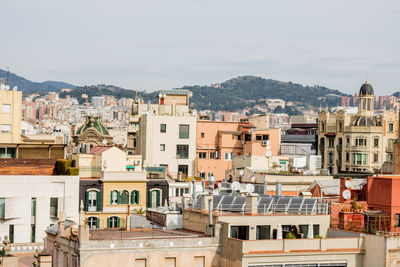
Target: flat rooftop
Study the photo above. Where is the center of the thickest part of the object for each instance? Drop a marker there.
(106, 234)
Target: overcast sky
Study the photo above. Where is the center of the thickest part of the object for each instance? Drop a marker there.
(152, 45)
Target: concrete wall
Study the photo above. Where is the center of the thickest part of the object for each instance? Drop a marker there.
(18, 190)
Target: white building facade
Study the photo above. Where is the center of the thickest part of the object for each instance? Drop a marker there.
(29, 204)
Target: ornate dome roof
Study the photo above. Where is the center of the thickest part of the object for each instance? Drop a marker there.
(93, 121)
(366, 89)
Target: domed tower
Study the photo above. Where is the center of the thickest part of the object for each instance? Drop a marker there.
(366, 100)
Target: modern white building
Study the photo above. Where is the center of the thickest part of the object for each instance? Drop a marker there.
(168, 141)
(29, 204)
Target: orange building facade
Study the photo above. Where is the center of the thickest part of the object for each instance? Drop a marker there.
(218, 142)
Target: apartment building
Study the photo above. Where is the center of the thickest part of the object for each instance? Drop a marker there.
(360, 142)
(10, 119)
(219, 142)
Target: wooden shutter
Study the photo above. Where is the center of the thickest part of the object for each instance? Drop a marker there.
(97, 223)
(133, 197)
(137, 197)
(111, 197)
(98, 201)
(87, 200)
(150, 199)
(108, 222)
(119, 198)
(118, 221)
(158, 200)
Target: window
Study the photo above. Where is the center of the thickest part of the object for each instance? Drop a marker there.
(134, 142)
(6, 108)
(162, 147)
(124, 197)
(182, 151)
(303, 228)
(183, 169)
(265, 137)
(360, 159)
(202, 174)
(322, 126)
(183, 131)
(322, 143)
(330, 155)
(170, 262)
(397, 220)
(92, 200)
(240, 232)
(389, 145)
(11, 233)
(93, 222)
(340, 126)
(347, 156)
(135, 197)
(347, 140)
(247, 137)
(2, 207)
(54, 207)
(258, 137)
(263, 231)
(361, 142)
(376, 142)
(391, 126)
(113, 222)
(33, 233)
(376, 157)
(331, 142)
(163, 128)
(202, 135)
(180, 191)
(212, 155)
(202, 155)
(155, 198)
(228, 156)
(389, 157)
(340, 142)
(33, 207)
(5, 128)
(115, 197)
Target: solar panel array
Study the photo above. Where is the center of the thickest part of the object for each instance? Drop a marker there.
(266, 204)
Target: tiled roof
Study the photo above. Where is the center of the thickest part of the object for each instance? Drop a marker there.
(99, 150)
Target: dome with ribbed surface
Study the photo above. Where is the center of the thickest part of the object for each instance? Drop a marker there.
(366, 89)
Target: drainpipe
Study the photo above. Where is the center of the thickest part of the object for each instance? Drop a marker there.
(193, 189)
(209, 213)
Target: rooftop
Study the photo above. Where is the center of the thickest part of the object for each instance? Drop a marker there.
(107, 234)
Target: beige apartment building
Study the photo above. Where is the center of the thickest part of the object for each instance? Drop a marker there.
(10, 119)
(359, 142)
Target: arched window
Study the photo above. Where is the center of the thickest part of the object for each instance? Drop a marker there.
(92, 200)
(155, 198)
(135, 197)
(115, 197)
(113, 222)
(93, 222)
(125, 197)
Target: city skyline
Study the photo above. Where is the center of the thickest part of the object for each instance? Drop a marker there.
(148, 47)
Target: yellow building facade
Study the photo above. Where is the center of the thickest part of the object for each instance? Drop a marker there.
(10, 119)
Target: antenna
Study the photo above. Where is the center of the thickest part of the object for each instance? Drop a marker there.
(8, 75)
(366, 76)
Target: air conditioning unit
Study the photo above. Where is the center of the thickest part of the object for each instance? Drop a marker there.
(265, 142)
(137, 162)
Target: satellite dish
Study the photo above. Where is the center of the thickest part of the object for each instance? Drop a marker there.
(160, 95)
(268, 143)
(241, 172)
(7, 87)
(268, 154)
(235, 186)
(268, 147)
(253, 179)
(249, 188)
(2, 86)
(219, 185)
(347, 184)
(15, 88)
(346, 194)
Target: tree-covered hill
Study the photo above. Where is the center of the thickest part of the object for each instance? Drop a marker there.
(28, 86)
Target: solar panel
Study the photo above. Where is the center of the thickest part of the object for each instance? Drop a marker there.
(238, 203)
(216, 201)
(226, 202)
(308, 205)
(295, 205)
(282, 204)
(264, 204)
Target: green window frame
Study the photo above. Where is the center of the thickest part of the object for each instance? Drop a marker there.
(2, 207)
(113, 222)
(135, 197)
(183, 131)
(124, 197)
(115, 198)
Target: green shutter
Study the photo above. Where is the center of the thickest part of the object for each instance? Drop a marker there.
(97, 223)
(108, 222)
(132, 197)
(98, 201)
(87, 200)
(150, 199)
(158, 198)
(119, 198)
(137, 197)
(118, 222)
(111, 197)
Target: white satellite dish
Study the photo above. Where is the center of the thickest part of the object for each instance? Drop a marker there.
(268, 154)
(241, 172)
(219, 185)
(235, 186)
(253, 179)
(160, 95)
(346, 194)
(347, 184)
(249, 188)
(15, 88)
(2, 86)
(268, 142)
(7, 87)
(268, 147)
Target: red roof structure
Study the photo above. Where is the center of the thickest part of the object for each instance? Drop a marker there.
(99, 150)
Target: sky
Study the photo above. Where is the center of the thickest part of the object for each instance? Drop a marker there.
(164, 44)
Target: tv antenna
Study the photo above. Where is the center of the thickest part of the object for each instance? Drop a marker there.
(8, 75)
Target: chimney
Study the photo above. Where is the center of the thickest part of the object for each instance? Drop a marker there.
(251, 203)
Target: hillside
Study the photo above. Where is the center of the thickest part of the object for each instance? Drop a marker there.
(28, 86)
